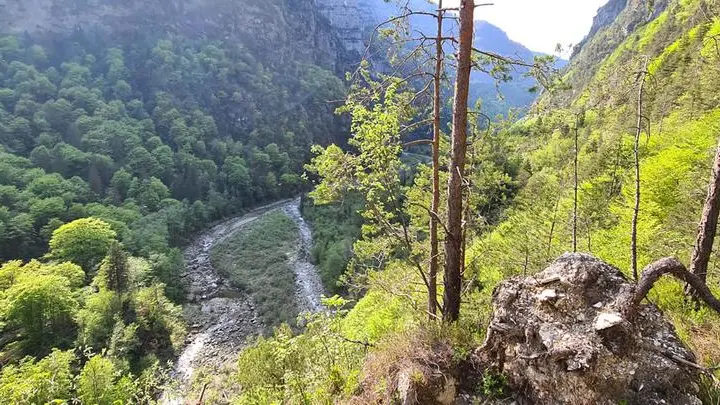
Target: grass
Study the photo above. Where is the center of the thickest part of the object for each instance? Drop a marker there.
(256, 260)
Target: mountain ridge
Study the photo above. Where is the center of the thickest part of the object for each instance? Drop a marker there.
(614, 23)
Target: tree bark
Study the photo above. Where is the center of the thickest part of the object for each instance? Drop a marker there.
(435, 204)
(636, 150)
(708, 225)
(453, 244)
(553, 223)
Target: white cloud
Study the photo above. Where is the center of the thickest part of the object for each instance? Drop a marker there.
(540, 24)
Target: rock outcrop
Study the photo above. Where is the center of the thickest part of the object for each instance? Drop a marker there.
(626, 14)
(345, 19)
(614, 23)
(560, 338)
(606, 15)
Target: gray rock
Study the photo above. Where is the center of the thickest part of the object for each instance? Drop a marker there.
(606, 320)
(577, 352)
(344, 18)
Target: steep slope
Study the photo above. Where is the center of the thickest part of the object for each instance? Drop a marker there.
(682, 124)
(282, 30)
(139, 124)
(384, 349)
(347, 18)
(614, 23)
(204, 98)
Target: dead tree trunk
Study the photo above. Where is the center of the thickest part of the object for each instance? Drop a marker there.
(708, 225)
(453, 244)
(553, 223)
(696, 278)
(575, 188)
(636, 210)
(435, 204)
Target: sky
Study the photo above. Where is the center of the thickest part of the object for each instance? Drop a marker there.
(541, 24)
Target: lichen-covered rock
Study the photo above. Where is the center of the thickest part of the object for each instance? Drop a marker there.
(560, 338)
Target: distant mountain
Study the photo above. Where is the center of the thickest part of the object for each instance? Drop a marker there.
(369, 13)
(515, 94)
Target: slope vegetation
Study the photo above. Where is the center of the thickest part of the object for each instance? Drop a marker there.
(523, 198)
(679, 48)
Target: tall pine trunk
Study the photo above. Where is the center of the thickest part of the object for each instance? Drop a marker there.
(453, 244)
(575, 187)
(435, 204)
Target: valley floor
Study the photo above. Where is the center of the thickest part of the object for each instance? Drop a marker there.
(226, 266)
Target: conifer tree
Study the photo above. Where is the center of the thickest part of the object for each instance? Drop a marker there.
(454, 257)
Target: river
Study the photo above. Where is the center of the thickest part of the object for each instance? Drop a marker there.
(220, 316)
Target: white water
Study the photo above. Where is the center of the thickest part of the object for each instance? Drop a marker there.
(184, 364)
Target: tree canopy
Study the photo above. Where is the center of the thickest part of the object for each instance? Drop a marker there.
(84, 241)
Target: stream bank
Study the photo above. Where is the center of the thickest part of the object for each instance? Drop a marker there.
(220, 316)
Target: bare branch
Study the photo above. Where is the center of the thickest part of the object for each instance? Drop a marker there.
(418, 142)
(432, 214)
(641, 76)
(652, 273)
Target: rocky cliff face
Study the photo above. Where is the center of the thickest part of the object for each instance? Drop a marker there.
(606, 15)
(353, 20)
(628, 13)
(345, 18)
(614, 23)
(278, 29)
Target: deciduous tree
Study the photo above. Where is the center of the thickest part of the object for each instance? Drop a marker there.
(84, 241)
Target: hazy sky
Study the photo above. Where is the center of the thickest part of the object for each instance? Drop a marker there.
(541, 24)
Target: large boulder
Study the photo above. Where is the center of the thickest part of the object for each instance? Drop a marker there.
(560, 338)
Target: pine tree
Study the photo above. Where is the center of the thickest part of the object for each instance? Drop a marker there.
(454, 257)
(115, 268)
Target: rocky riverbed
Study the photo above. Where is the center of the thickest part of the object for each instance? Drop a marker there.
(221, 317)
(309, 286)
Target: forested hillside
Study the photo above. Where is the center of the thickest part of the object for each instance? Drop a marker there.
(130, 131)
(123, 141)
(677, 142)
(116, 132)
(642, 87)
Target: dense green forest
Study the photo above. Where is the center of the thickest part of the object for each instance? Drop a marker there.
(91, 129)
(125, 149)
(116, 152)
(520, 192)
(336, 227)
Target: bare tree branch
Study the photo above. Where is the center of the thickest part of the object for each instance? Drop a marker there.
(652, 273)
